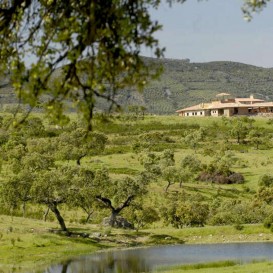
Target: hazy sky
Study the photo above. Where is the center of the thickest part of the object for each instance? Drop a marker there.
(215, 30)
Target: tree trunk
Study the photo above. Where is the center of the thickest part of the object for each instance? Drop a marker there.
(65, 266)
(238, 138)
(79, 159)
(167, 187)
(113, 218)
(89, 214)
(46, 214)
(54, 209)
(115, 211)
(24, 209)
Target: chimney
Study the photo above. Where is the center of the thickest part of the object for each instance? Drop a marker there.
(252, 96)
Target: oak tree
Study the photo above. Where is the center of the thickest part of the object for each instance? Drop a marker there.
(57, 51)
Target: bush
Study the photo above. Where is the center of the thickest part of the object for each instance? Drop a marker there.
(268, 221)
(238, 226)
(219, 178)
(266, 180)
(185, 211)
(236, 178)
(191, 162)
(234, 212)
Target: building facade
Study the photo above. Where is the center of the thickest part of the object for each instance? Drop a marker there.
(223, 106)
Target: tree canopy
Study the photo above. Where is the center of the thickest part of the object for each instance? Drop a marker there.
(69, 53)
(97, 44)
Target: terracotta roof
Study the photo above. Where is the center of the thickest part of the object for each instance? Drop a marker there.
(222, 94)
(192, 108)
(209, 106)
(247, 99)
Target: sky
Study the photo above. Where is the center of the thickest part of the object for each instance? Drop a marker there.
(215, 30)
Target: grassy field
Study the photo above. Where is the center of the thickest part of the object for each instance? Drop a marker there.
(223, 267)
(29, 243)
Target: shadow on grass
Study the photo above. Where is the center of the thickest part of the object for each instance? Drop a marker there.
(59, 239)
(162, 239)
(136, 234)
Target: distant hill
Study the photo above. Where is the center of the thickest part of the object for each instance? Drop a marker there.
(184, 83)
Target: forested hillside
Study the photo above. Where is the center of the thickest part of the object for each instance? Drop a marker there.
(183, 83)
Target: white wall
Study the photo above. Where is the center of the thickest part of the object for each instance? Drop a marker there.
(195, 114)
(214, 113)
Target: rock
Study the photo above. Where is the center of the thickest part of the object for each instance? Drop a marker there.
(120, 222)
(95, 235)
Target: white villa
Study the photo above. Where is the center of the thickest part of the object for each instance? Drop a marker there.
(225, 106)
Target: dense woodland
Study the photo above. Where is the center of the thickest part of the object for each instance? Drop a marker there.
(137, 170)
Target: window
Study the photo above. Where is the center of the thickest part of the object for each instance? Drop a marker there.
(201, 113)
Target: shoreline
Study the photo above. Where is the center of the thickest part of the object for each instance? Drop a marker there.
(30, 244)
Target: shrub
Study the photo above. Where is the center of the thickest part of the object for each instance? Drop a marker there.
(191, 162)
(184, 211)
(238, 226)
(219, 178)
(236, 178)
(266, 180)
(268, 221)
(233, 212)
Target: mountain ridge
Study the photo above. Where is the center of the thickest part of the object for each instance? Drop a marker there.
(183, 84)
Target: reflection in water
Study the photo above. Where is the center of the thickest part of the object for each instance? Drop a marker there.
(110, 262)
(147, 259)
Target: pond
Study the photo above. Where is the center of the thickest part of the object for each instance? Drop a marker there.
(147, 259)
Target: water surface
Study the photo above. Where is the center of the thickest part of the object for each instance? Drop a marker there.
(147, 259)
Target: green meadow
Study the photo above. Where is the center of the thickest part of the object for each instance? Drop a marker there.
(185, 180)
(226, 266)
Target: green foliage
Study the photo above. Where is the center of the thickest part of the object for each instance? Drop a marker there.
(193, 139)
(136, 111)
(16, 190)
(142, 215)
(192, 163)
(266, 180)
(182, 211)
(100, 50)
(252, 6)
(258, 137)
(268, 221)
(265, 194)
(31, 167)
(171, 175)
(32, 127)
(80, 143)
(239, 127)
(150, 141)
(237, 212)
(117, 194)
